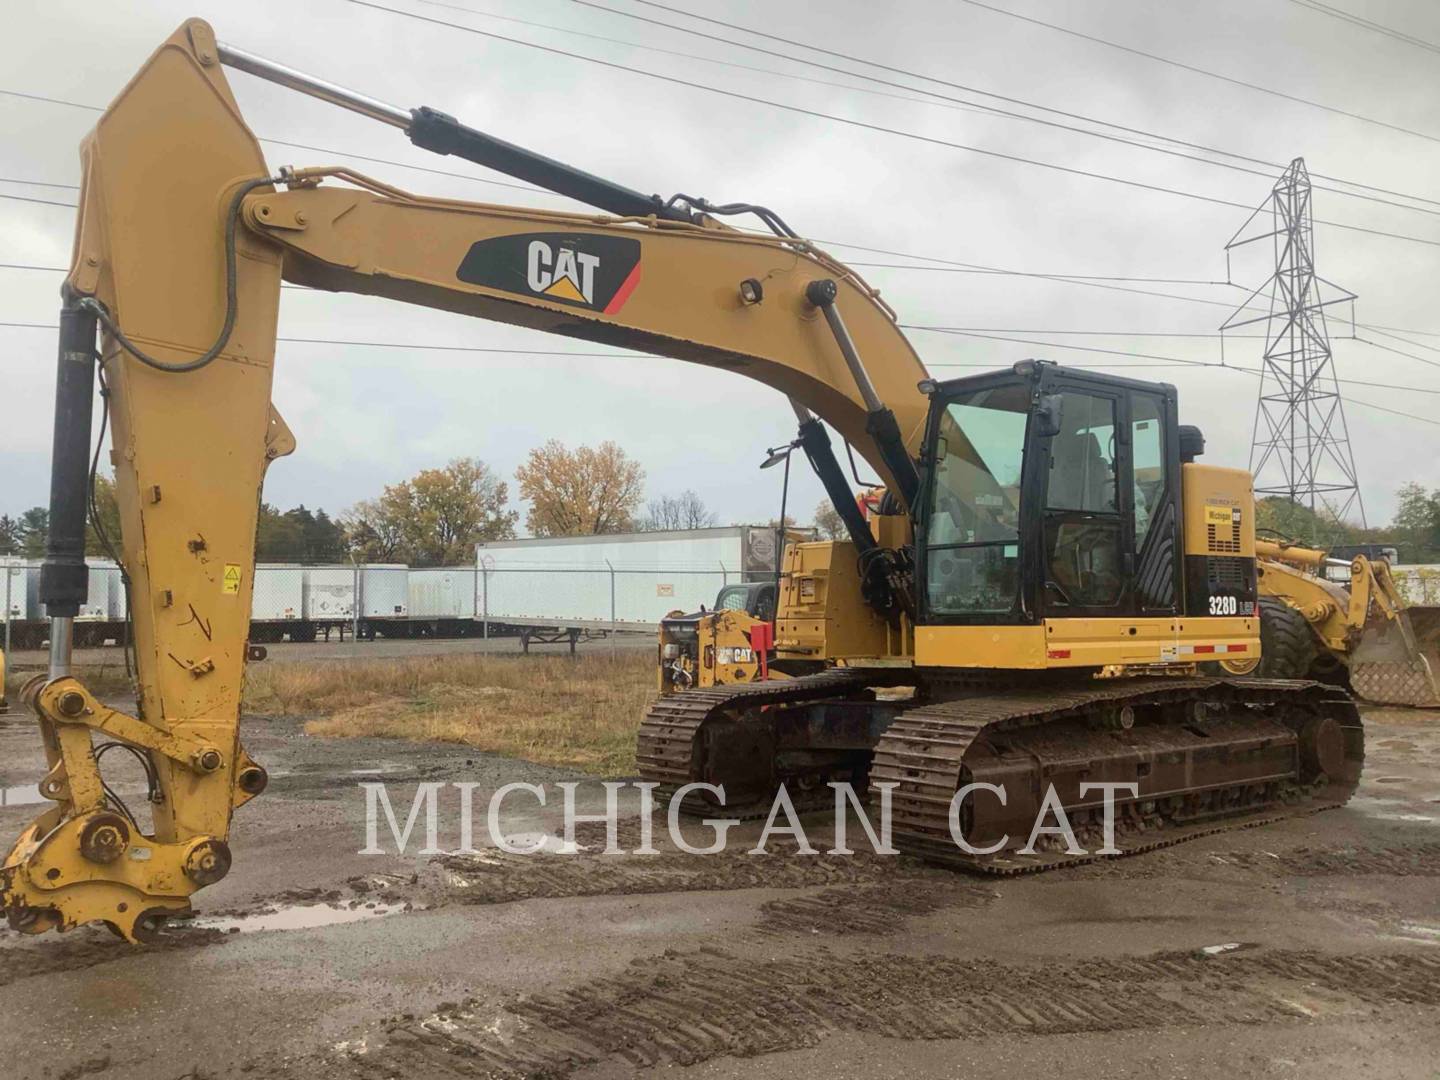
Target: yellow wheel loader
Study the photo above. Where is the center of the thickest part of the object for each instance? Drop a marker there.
(1363, 635)
(730, 643)
(1055, 565)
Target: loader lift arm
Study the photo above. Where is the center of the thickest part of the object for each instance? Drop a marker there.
(183, 238)
(1366, 630)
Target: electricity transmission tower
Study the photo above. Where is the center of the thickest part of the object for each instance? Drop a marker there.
(1300, 446)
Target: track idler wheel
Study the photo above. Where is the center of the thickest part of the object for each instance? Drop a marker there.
(1322, 749)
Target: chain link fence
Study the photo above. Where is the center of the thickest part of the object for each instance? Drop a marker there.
(306, 603)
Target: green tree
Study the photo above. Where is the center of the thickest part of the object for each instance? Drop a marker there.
(298, 535)
(34, 532)
(433, 519)
(1416, 526)
(1277, 514)
(9, 535)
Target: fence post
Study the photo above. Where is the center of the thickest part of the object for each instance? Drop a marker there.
(9, 573)
(355, 601)
(485, 599)
(612, 607)
(724, 574)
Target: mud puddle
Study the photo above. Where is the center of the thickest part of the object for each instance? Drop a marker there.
(296, 917)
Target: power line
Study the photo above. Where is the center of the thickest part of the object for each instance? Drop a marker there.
(1090, 333)
(1166, 360)
(850, 122)
(1275, 166)
(294, 146)
(1089, 281)
(1196, 70)
(1368, 24)
(1062, 278)
(708, 59)
(1020, 273)
(1398, 352)
(402, 345)
(37, 183)
(1175, 361)
(42, 202)
(1407, 341)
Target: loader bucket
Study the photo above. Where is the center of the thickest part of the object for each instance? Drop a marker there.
(1397, 661)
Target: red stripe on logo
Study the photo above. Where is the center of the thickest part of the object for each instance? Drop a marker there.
(623, 294)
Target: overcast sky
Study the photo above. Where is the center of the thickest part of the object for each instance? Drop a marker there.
(368, 416)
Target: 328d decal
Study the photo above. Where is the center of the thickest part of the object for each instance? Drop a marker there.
(580, 269)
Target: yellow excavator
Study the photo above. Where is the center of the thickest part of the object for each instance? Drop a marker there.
(1362, 634)
(1050, 569)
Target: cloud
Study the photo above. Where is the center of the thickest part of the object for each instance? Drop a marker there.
(368, 416)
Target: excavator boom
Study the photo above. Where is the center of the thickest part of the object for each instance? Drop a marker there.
(183, 239)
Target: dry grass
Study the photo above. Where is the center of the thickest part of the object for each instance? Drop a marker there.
(577, 712)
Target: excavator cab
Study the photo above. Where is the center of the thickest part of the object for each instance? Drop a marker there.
(1050, 493)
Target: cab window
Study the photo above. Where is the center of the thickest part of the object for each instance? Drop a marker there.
(973, 529)
(1082, 525)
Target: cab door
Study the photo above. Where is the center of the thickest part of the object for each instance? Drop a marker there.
(1109, 510)
(1083, 537)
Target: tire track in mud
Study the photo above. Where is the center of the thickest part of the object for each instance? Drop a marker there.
(876, 910)
(1418, 860)
(492, 878)
(686, 1008)
(22, 957)
(1398, 860)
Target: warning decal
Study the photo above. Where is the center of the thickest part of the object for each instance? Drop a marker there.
(230, 581)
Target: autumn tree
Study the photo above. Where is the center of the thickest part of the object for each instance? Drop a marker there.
(828, 522)
(684, 511)
(582, 492)
(433, 519)
(106, 510)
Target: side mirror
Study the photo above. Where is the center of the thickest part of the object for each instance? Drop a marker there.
(1047, 414)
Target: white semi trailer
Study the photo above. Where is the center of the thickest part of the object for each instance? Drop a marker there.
(561, 588)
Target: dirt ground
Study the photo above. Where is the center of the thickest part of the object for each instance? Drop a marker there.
(596, 966)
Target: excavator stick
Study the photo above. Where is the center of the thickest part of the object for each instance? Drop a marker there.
(161, 267)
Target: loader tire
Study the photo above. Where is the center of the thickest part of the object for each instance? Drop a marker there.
(1287, 644)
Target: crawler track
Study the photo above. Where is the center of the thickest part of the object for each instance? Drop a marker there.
(1245, 757)
(1208, 755)
(707, 735)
